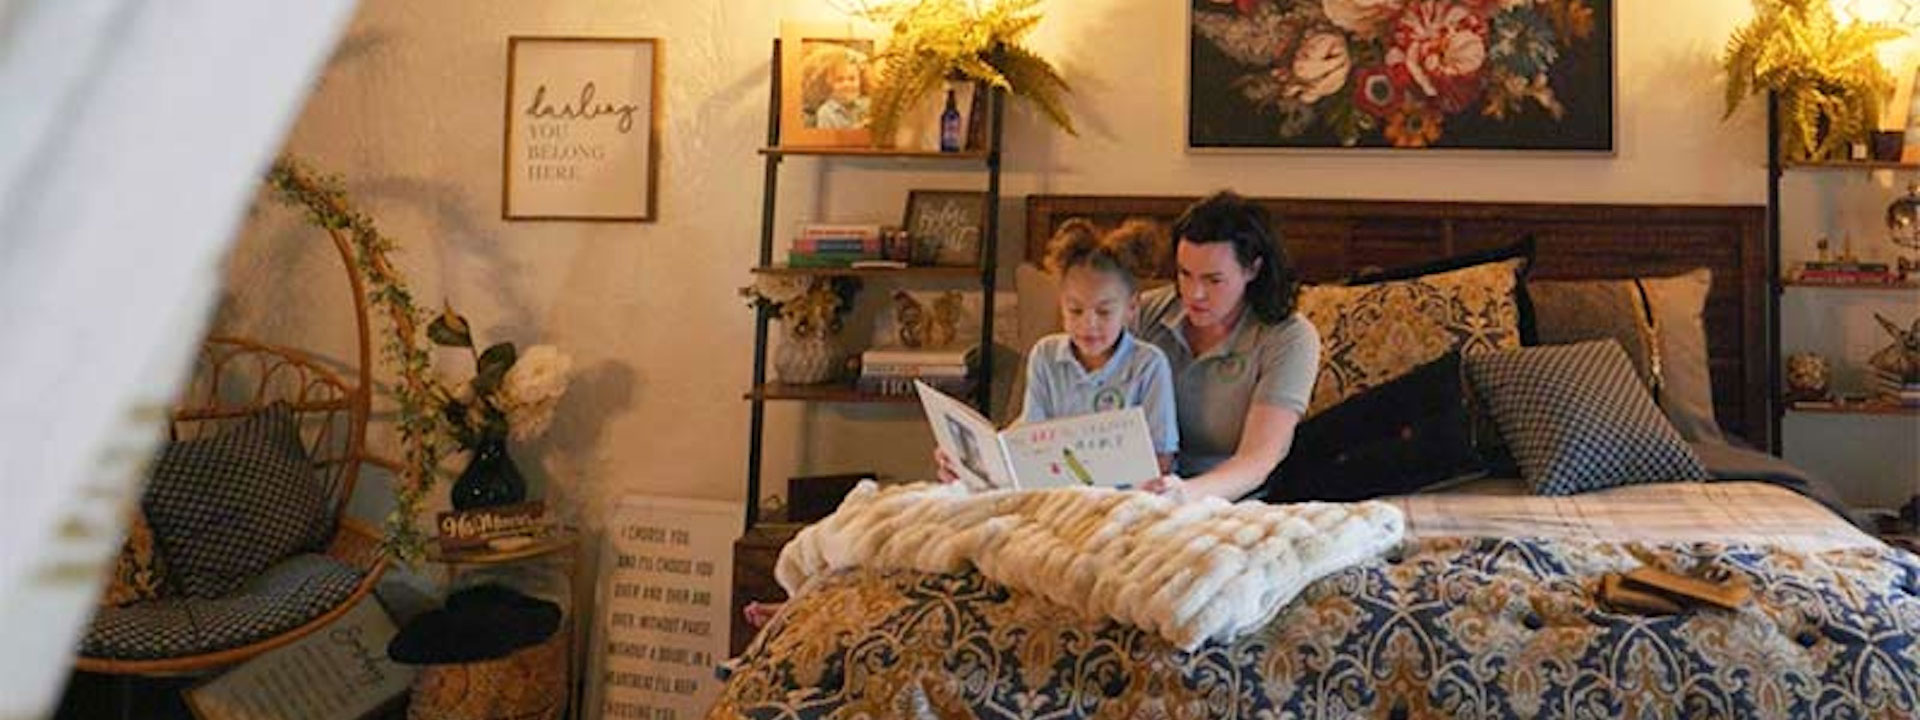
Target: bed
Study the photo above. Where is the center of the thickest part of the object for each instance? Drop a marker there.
(1487, 609)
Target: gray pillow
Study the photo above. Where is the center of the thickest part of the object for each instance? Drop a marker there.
(1578, 419)
(226, 507)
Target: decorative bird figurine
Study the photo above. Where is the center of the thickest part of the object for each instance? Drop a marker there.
(1902, 358)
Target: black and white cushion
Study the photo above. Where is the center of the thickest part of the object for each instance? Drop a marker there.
(1577, 418)
(282, 598)
(226, 507)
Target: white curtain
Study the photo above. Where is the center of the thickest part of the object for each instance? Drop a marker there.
(132, 135)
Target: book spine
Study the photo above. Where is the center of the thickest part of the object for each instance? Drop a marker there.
(839, 230)
(895, 370)
(837, 244)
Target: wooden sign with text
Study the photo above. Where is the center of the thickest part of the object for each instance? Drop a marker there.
(464, 529)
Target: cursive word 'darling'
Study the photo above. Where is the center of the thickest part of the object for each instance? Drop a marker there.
(583, 108)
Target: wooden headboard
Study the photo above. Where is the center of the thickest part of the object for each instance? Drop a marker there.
(1331, 239)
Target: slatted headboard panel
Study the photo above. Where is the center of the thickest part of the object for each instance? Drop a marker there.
(1331, 239)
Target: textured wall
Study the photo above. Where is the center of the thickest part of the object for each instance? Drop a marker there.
(410, 111)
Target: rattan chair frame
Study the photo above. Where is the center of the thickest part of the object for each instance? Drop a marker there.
(236, 377)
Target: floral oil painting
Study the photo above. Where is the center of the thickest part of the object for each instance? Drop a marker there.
(1403, 74)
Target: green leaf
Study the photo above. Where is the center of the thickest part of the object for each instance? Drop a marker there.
(494, 364)
(450, 330)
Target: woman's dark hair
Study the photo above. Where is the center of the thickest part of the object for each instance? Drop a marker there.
(1226, 217)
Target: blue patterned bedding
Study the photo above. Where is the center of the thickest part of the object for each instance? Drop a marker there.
(1474, 628)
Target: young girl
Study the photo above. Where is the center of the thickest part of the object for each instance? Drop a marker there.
(834, 94)
(1097, 365)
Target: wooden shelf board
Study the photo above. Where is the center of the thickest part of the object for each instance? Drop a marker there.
(1850, 164)
(911, 270)
(1854, 409)
(1908, 285)
(877, 153)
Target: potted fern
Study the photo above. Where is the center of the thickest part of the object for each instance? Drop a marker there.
(1828, 79)
(936, 41)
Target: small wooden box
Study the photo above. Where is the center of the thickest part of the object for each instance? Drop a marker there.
(754, 557)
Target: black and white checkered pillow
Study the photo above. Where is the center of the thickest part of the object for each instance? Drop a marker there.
(1578, 419)
(225, 507)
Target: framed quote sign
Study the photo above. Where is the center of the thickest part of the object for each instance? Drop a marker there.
(664, 608)
(582, 129)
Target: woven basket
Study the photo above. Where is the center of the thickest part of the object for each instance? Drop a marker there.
(530, 684)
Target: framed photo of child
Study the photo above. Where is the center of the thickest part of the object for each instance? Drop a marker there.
(827, 76)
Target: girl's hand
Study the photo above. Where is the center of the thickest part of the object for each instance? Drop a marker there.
(1167, 486)
(943, 467)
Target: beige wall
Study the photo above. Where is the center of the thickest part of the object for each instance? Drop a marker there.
(410, 113)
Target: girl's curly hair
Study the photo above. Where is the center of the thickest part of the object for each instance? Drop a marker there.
(1128, 251)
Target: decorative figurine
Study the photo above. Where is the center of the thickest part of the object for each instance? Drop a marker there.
(1903, 229)
(1807, 376)
(1901, 360)
(919, 327)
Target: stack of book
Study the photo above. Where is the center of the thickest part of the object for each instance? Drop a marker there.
(1904, 392)
(892, 370)
(1848, 272)
(824, 245)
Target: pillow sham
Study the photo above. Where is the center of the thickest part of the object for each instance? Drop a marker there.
(1394, 439)
(1571, 311)
(1371, 334)
(1678, 307)
(1576, 419)
(228, 506)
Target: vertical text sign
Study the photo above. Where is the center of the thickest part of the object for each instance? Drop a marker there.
(665, 592)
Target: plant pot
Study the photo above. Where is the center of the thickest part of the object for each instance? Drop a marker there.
(808, 360)
(490, 479)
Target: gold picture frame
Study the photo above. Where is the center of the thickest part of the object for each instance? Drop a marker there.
(582, 123)
(820, 106)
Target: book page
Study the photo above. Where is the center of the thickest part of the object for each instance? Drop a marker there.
(1106, 449)
(968, 438)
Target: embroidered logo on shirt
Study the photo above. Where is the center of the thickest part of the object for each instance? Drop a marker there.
(1108, 399)
(1231, 368)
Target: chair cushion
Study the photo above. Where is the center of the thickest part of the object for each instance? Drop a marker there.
(226, 507)
(1578, 419)
(284, 597)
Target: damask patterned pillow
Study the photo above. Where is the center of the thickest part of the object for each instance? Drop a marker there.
(1577, 418)
(1373, 334)
(139, 572)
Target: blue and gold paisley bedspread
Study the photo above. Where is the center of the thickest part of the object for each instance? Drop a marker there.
(1470, 628)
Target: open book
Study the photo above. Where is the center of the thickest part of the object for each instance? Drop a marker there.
(1109, 449)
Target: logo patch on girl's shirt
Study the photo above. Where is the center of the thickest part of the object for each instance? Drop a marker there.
(1108, 399)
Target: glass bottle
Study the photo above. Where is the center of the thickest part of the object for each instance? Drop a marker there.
(950, 131)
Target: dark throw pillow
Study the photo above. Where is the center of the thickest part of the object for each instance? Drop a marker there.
(1398, 438)
(226, 507)
(1577, 418)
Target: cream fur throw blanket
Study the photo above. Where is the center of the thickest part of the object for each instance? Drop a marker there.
(1190, 571)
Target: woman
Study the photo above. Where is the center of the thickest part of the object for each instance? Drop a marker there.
(1243, 361)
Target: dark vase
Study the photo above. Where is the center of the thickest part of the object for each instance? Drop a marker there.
(490, 479)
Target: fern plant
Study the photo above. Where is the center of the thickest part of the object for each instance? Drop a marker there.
(938, 40)
(1826, 74)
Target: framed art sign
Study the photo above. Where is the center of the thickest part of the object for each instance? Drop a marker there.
(664, 608)
(1354, 74)
(827, 78)
(946, 226)
(582, 129)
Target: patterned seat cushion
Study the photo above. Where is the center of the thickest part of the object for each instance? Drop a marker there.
(225, 507)
(1577, 418)
(284, 597)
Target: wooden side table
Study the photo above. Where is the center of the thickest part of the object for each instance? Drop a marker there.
(754, 557)
(559, 548)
